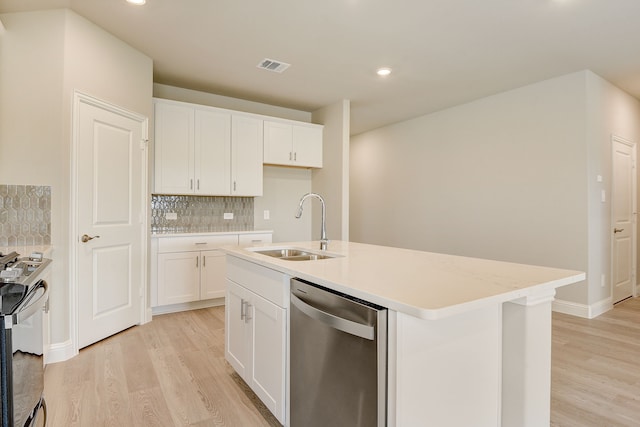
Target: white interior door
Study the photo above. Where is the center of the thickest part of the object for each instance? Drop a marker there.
(111, 210)
(623, 204)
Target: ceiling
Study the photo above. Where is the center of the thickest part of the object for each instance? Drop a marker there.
(442, 52)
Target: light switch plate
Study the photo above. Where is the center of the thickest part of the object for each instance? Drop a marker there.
(171, 215)
(228, 215)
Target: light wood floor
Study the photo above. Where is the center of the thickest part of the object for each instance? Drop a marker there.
(171, 372)
(595, 371)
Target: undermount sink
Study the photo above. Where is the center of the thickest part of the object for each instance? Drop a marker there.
(292, 254)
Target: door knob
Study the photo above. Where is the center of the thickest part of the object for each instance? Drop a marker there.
(618, 230)
(85, 238)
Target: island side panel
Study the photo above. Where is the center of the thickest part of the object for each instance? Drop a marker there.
(448, 371)
(526, 351)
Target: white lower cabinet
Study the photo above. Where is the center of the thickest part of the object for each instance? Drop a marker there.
(190, 276)
(189, 269)
(178, 277)
(212, 274)
(256, 332)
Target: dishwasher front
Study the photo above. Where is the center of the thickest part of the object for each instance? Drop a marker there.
(338, 359)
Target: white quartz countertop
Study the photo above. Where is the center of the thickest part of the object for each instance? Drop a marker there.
(422, 284)
(208, 233)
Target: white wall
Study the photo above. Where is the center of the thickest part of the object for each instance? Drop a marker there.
(213, 100)
(283, 188)
(511, 177)
(501, 178)
(611, 111)
(332, 181)
(45, 55)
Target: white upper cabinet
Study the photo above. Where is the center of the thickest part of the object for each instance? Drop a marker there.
(246, 156)
(174, 149)
(292, 144)
(212, 152)
(206, 151)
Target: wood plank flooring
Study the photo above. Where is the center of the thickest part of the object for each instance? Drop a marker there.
(172, 372)
(595, 369)
(169, 372)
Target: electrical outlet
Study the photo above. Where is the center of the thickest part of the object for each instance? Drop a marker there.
(171, 215)
(228, 215)
(266, 214)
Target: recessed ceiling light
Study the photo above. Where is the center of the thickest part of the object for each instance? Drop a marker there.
(137, 2)
(383, 71)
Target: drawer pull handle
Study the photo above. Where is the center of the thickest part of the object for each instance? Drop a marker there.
(201, 243)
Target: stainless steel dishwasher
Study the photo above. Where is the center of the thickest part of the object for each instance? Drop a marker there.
(338, 359)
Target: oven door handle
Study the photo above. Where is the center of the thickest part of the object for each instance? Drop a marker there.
(354, 328)
(28, 308)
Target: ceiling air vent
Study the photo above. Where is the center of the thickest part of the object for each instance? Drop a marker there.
(273, 65)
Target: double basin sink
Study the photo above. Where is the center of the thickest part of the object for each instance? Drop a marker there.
(293, 254)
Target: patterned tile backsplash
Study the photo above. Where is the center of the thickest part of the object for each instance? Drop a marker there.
(25, 215)
(197, 214)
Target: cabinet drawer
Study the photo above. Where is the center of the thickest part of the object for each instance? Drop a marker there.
(269, 284)
(195, 243)
(254, 239)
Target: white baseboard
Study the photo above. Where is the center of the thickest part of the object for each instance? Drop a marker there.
(582, 310)
(148, 314)
(59, 352)
(174, 308)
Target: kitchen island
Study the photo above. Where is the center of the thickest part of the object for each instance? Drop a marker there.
(469, 339)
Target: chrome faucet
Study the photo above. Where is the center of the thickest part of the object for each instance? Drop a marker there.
(323, 231)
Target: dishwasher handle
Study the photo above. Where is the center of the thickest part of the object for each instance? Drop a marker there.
(354, 328)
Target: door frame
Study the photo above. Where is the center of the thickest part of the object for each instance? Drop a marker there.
(634, 237)
(78, 99)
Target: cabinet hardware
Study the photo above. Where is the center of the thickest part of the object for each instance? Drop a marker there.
(191, 184)
(242, 315)
(197, 261)
(290, 155)
(204, 260)
(198, 184)
(247, 317)
(234, 186)
(295, 157)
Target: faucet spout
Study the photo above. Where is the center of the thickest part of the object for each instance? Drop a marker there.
(323, 230)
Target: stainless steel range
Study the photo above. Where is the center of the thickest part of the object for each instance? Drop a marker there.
(23, 298)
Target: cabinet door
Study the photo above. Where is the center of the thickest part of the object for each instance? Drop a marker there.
(212, 152)
(246, 156)
(278, 143)
(213, 274)
(237, 329)
(178, 277)
(307, 146)
(174, 149)
(268, 349)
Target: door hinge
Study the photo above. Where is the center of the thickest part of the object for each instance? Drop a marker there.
(143, 144)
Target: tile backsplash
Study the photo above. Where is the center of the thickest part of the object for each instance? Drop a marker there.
(25, 215)
(197, 214)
